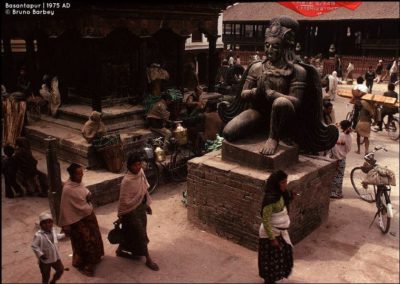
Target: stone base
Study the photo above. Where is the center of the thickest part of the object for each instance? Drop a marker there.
(225, 198)
(247, 152)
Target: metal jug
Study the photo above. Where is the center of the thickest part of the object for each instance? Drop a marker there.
(159, 154)
(180, 134)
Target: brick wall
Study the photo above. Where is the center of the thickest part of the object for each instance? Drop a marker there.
(225, 198)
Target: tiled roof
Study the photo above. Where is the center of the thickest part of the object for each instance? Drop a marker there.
(264, 11)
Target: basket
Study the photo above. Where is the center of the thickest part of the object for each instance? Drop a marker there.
(113, 156)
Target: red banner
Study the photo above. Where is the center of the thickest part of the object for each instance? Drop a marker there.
(313, 9)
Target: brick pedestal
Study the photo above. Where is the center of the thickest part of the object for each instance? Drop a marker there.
(225, 198)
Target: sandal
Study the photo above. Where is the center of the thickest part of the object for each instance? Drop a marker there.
(152, 266)
(122, 253)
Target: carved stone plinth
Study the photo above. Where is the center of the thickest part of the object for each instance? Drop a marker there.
(247, 153)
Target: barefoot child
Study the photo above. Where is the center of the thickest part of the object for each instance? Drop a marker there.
(44, 245)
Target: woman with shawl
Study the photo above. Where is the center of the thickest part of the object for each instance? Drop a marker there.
(78, 220)
(275, 256)
(94, 128)
(134, 203)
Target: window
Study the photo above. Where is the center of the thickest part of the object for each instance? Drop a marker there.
(197, 36)
(248, 30)
(228, 29)
(18, 45)
(237, 29)
(259, 31)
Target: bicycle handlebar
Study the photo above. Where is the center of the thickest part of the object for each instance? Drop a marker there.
(376, 149)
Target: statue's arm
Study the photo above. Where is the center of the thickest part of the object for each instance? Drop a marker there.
(297, 87)
(250, 84)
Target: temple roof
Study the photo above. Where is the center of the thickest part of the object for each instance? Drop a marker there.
(265, 11)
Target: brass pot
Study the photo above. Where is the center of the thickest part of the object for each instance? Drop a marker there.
(180, 134)
(159, 154)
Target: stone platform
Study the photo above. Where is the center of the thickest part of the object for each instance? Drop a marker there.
(246, 152)
(225, 197)
(72, 147)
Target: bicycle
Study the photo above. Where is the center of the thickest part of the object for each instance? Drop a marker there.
(380, 193)
(174, 164)
(391, 124)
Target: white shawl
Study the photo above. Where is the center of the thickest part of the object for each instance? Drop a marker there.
(74, 205)
(133, 189)
(279, 221)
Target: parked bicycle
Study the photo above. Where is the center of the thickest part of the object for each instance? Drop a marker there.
(170, 158)
(377, 191)
(391, 124)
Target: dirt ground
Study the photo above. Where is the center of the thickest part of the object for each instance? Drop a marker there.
(342, 250)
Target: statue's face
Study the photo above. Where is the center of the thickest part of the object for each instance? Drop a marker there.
(273, 48)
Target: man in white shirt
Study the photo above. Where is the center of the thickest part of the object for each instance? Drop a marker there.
(358, 91)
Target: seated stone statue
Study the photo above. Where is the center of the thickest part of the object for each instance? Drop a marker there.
(280, 96)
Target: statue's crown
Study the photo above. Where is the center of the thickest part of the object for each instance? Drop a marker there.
(283, 27)
(276, 29)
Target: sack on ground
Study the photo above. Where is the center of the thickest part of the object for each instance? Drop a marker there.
(381, 176)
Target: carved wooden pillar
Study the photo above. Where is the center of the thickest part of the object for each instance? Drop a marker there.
(54, 178)
(95, 79)
(180, 61)
(142, 66)
(8, 69)
(31, 64)
(212, 61)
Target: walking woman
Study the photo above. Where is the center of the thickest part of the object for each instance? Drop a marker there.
(78, 220)
(134, 203)
(275, 256)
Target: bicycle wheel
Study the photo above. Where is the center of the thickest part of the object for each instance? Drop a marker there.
(152, 174)
(365, 191)
(178, 166)
(383, 217)
(393, 129)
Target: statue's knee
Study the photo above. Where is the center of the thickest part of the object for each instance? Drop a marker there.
(228, 134)
(282, 103)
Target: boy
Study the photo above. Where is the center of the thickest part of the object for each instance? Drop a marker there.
(44, 245)
(339, 152)
(10, 173)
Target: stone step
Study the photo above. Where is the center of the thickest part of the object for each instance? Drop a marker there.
(103, 185)
(77, 125)
(72, 147)
(115, 117)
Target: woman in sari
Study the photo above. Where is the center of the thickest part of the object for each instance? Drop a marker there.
(134, 203)
(275, 256)
(78, 220)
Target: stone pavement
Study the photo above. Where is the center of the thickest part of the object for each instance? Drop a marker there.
(342, 250)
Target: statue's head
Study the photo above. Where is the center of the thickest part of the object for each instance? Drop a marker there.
(280, 38)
